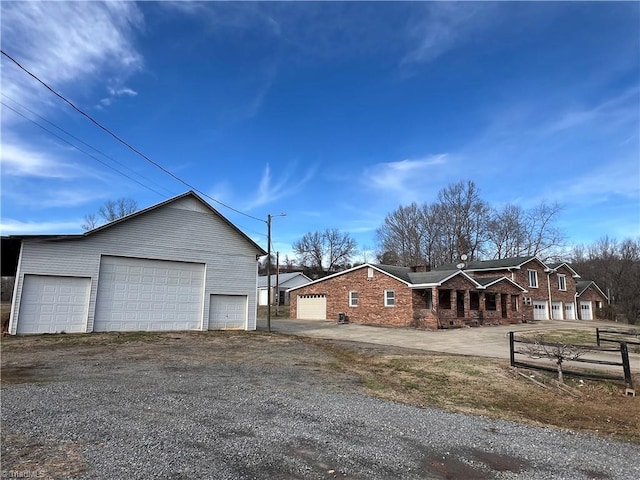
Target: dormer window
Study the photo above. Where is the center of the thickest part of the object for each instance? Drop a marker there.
(532, 276)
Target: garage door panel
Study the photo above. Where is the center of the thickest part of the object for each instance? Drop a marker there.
(540, 311)
(312, 307)
(146, 295)
(227, 312)
(53, 304)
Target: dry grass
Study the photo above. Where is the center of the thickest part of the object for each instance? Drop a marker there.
(283, 312)
(488, 387)
(5, 312)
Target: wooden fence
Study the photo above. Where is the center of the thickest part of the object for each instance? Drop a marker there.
(622, 349)
(618, 336)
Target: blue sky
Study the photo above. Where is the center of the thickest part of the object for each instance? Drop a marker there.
(333, 113)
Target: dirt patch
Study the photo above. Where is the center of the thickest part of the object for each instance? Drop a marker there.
(48, 459)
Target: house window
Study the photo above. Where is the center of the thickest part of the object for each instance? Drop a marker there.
(389, 298)
(474, 300)
(598, 304)
(428, 299)
(533, 278)
(444, 299)
(353, 299)
(490, 299)
(514, 303)
(562, 282)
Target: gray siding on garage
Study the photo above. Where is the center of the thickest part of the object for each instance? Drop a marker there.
(183, 230)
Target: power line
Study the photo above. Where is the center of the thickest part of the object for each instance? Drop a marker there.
(125, 143)
(79, 149)
(79, 140)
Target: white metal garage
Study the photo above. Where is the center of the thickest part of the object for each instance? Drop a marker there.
(556, 310)
(312, 307)
(540, 310)
(54, 304)
(227, 312)
(136, 294)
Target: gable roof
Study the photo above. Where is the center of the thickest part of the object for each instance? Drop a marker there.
(384, 269)
(486, 282)
(556, 266)
(583, 285)
(499, 264)
(190, 193)
(283, 278)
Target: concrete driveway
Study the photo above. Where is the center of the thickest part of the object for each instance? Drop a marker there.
(488, 341)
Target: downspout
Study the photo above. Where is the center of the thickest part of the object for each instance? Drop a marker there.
(549, 309)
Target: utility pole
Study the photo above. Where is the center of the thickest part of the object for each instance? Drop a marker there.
(277, 284)
(268, 273)
(269, 217)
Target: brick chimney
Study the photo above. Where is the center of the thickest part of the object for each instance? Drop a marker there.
(421, 268)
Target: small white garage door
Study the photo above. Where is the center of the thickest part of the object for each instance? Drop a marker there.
(585, 311)
(262, 296)
(312, 307)
(51, 304)
(569, 313)
(227, 312)
(556, 310)
(136, 294)
(540, 310)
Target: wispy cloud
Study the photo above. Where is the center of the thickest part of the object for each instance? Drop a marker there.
(10, 226)
(67, 44)
(404, 179)
(21, 161)
(442, 27)
(270, 190)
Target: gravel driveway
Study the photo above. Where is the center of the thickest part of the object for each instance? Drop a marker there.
(236, 406)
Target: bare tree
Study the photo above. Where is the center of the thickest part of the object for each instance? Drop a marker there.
(114, 209)
(330, 247)
(403, 232)
(90, 222)
(542, 236)
(462, 217)
(615, 267)
(558, 352)
(110, 211)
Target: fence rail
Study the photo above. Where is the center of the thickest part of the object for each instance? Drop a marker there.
(620, 333)
(622, 349)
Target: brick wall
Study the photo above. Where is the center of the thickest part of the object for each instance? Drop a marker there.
(371, 309)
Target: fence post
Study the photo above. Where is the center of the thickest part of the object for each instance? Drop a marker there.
(624, 352)
(597, 336)
(512, 354)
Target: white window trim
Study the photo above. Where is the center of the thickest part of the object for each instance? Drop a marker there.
(386, 303)
(562, 279)
(535, 272)
(351, 304)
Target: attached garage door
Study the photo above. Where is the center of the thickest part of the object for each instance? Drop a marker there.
(312, 307)
(540, 310)
(51, 304)
(137, 294)
(556, 310)
(585, 311)
(227, 312)
(569, 314)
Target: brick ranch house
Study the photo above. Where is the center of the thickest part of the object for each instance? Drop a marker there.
(484, 292)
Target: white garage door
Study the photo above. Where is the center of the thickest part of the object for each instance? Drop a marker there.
(262, 296)
(585, 311)
(312, 307)
(52, 304)
(540, 310)
(137, 294)
(568, 311)
(227, 312)
(556, 310)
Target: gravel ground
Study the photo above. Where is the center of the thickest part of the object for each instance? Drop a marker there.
(228, 408)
